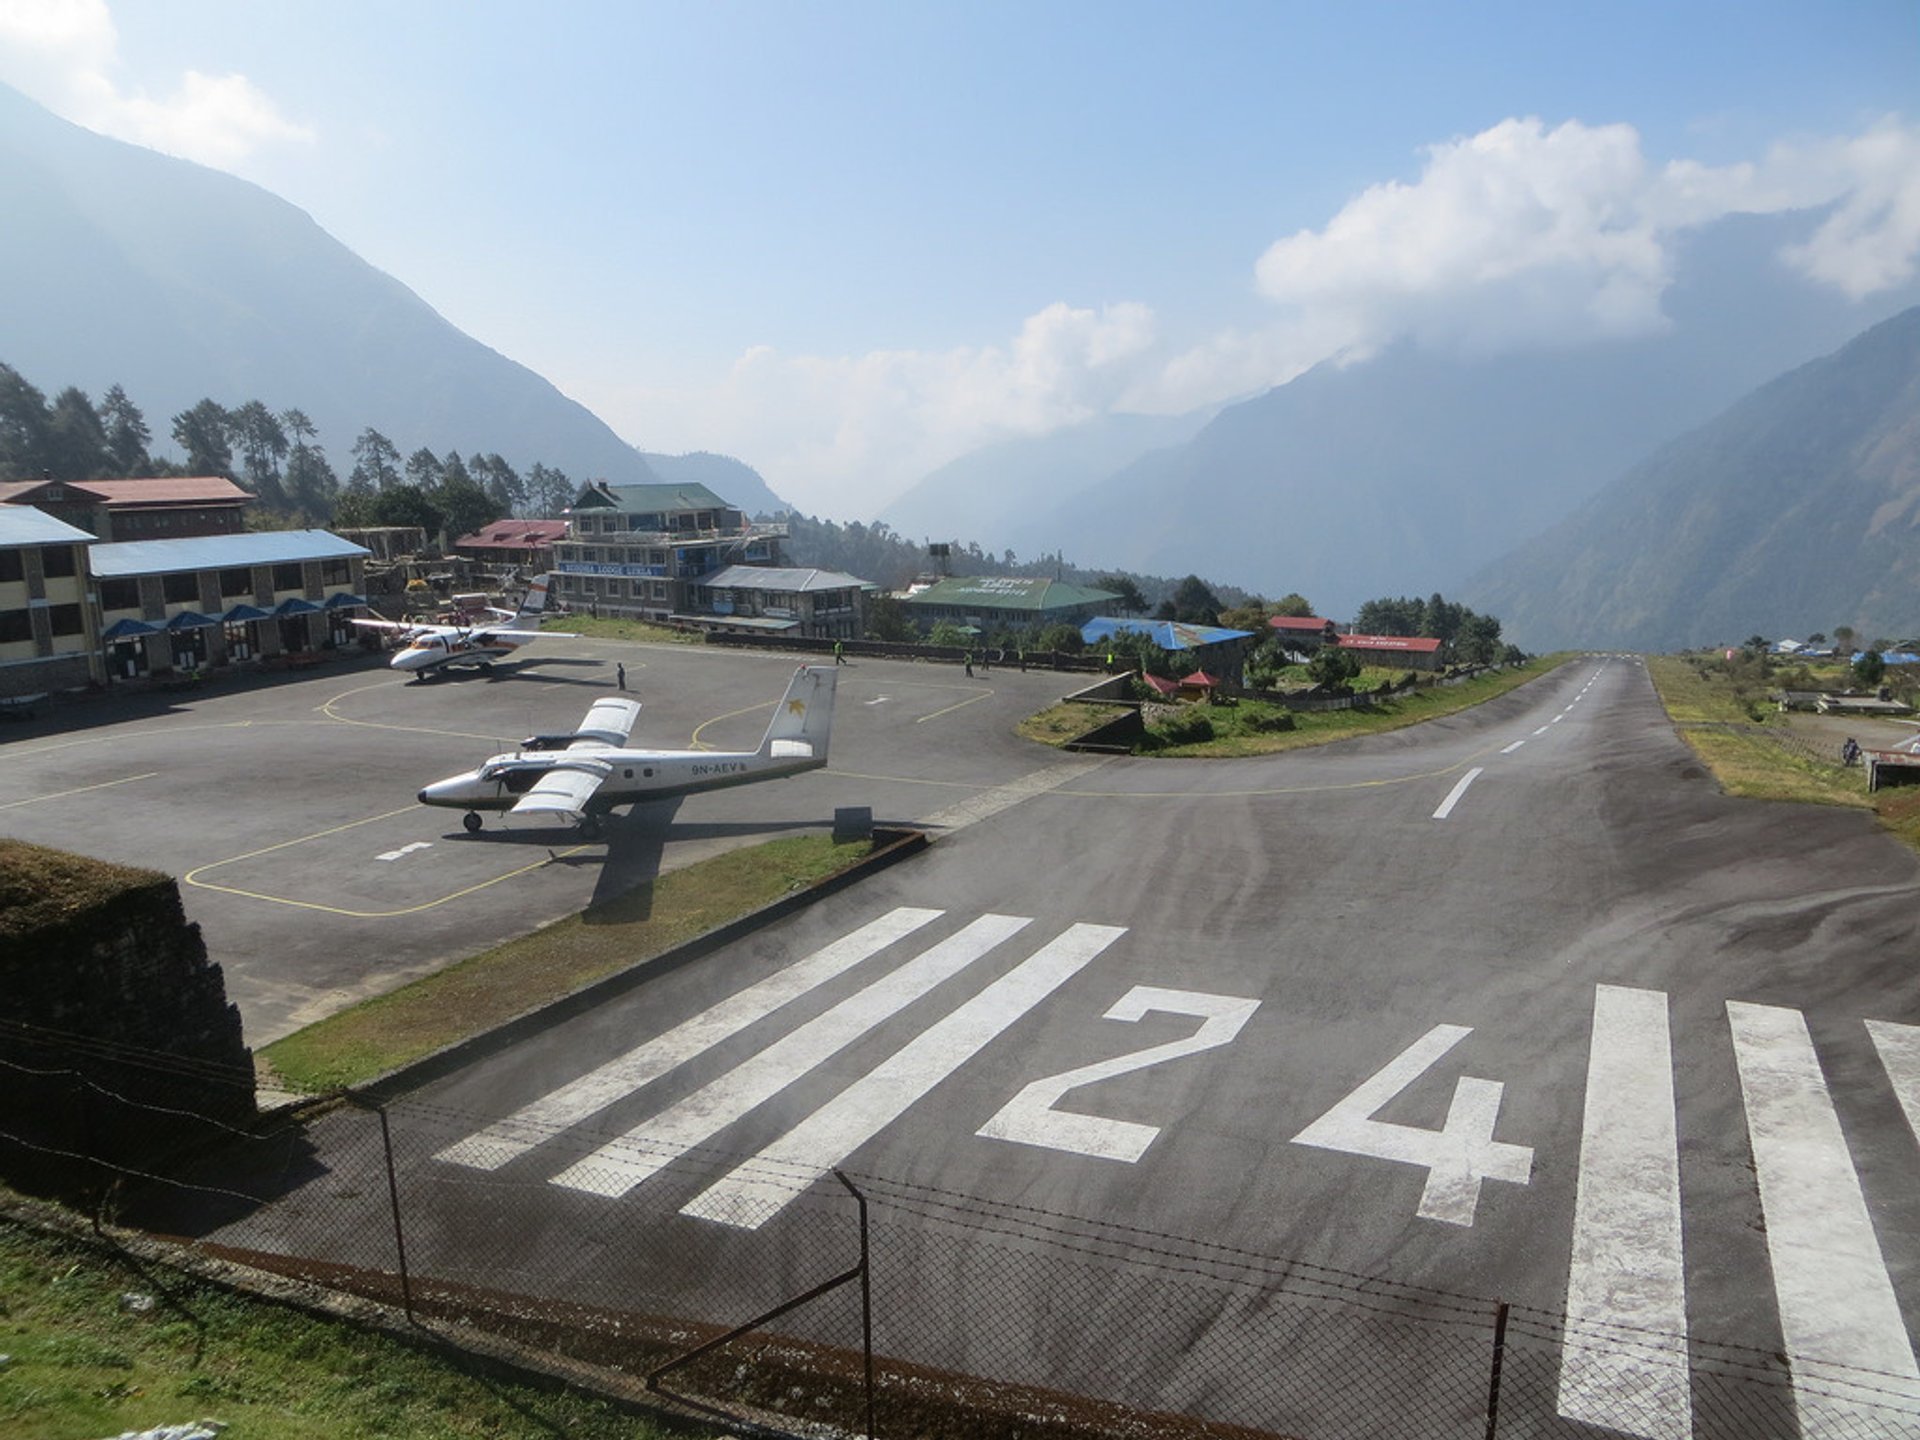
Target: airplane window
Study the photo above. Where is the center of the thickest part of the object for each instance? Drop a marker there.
(521, 781)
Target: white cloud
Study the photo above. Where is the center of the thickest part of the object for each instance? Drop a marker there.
(1523, 235)
(65, 54)
(838, 435)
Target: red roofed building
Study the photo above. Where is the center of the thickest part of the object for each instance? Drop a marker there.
(1302, 632)
(171, 508)
(513, 544)
(1406, 652)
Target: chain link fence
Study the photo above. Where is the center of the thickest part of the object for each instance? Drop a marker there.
(878, 1307)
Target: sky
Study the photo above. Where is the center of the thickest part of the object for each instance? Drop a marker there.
(848, 242)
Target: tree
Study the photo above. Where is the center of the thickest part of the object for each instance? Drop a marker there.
(405, 504)
(1193, 603)
(423, 469)
(127, 434)
(501, 482)
(549, 491)
(1128, 599)
(312, 487)
(1478, 642)
(376, 463)
(887, 619)
(203, 432)
(1870, 669)
(464, 507)
(1331, 666)
(950, 632)
(23, 427)
(1293, 604)
(1843, 639)
(263, 445)
(76, 441)
(1817, 638)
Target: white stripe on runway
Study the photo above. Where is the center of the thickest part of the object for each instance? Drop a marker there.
(1513, 747)
(1624, 1365)
(1838, 1314)
(654, 1144)
(759, 1189)
(1899, 1047)
(532, 1124)
(1453, 795)
(1543, 729)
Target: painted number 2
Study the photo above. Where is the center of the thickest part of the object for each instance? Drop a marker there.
(1457, 1156)
(1030, 1118)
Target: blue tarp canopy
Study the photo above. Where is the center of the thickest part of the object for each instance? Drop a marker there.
(191, 620)
(344, 601)
(243, 611)
(127, 629)
(295, 606)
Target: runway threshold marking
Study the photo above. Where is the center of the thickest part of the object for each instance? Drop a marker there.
(77, 790)
(1838, 1313)
(651, 1146)
(1453, 795)
(1624, 1364)
(192, 877)
(757, 1190)
(619, 1077)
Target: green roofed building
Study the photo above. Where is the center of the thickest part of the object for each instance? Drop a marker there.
(994, 601)
(640, 550)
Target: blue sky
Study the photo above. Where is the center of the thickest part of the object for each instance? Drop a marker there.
(846, 242)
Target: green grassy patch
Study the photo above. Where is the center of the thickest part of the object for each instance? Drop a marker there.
(1707, 701)
(1069, 720)
(40, 887)
(85, 1364)
(1252, 727)
(609, 627)
(488, 989)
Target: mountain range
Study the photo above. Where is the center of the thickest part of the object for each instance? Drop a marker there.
(1520, 482)
(1795, 510)
(1413, 470)
(180, 283)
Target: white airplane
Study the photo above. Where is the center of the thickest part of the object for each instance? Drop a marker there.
(430, 648)
(582, 776)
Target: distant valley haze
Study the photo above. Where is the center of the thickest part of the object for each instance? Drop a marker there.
(895, 265)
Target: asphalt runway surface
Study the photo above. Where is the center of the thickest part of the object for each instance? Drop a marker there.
(1169, 1079)
(287, 808)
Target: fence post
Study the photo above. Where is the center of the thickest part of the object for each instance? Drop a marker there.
(1499, 1356)
(866, 1295)
(393, 1197)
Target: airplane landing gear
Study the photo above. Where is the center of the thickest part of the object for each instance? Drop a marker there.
(590, 827)
(471, 820)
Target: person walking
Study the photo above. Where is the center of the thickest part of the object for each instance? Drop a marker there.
(839, 653)
(620, 676)
(967, 660)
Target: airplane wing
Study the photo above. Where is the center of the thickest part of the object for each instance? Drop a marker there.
(609, 722)
(564, 790)
(404, 627)
(507, 632)
(569, 785)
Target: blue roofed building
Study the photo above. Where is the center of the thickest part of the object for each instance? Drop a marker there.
(1219, 652)
(49, 638)
(172, 605)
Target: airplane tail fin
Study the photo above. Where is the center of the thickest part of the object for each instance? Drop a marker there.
(533, 608)
(803, 718)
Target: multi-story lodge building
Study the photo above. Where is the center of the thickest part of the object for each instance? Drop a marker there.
(679, 553)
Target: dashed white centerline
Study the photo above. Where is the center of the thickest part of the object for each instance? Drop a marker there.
(1453, 795)
(1543, 729)
(1513, 747)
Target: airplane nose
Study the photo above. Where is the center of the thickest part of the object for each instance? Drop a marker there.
(421, 797)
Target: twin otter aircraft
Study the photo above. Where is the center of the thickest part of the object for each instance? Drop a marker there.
(433, 649)
(582, 776)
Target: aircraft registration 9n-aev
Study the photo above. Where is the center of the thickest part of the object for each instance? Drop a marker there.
(584, 775)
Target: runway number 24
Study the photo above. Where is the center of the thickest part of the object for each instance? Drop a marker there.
(1457, 1157)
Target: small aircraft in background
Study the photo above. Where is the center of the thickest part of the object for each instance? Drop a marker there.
(582, 776)
(430, 648)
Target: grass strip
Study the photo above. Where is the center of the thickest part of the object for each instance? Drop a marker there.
(488, 989)
(1705, 707)
(609, 627)
(99, 1343)
(1238, 728)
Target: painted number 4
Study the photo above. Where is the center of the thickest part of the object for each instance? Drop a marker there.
(1457, 1156)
